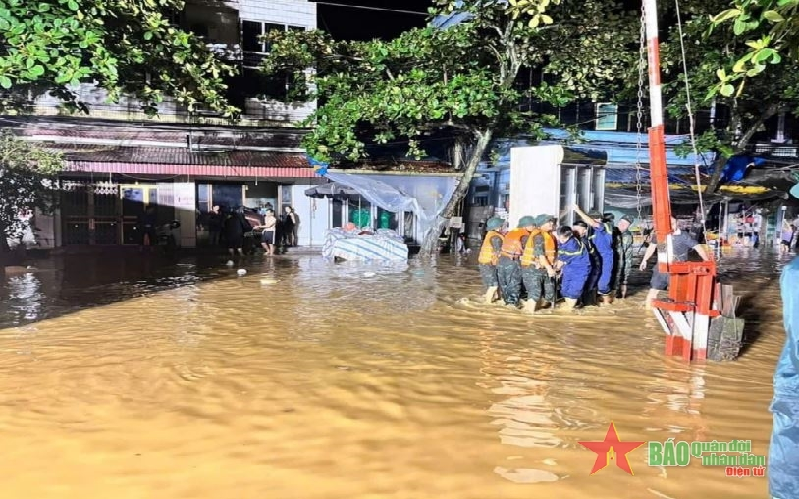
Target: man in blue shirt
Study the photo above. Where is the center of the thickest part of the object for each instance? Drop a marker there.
(574, 263)
(601, 234)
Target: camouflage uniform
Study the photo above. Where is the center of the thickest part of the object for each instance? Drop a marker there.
(510, 279)
(537, 278)
(624, 258)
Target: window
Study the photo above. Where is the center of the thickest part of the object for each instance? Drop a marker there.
(250, 36)
(253, 82)
(386, 219)
(607, 116)
(256, 84)
(252, 31)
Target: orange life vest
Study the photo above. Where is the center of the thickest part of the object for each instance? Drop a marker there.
(512, 244)
(487, 254)
(550, 249)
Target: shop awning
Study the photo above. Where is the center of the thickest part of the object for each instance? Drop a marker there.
(229, 171)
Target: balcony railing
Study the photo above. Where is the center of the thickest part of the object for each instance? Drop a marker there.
(775, 150)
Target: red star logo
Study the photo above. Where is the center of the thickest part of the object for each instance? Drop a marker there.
(611, 449)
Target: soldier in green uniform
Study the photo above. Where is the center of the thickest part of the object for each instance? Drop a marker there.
(624, 255)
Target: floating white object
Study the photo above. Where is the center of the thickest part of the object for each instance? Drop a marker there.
(268, 281)
(369, 274)
(241, 272)
(230, 263)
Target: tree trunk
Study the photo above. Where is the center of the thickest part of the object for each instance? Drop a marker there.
(475, 155)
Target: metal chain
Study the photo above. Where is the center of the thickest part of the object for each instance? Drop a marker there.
(639, 114)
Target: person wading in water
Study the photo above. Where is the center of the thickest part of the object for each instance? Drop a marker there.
(489, 257)
(268, 232)
(624, 255)
(682, 244)
(600, 233)
(509, 271)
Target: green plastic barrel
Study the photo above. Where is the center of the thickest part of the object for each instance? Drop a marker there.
(360, 218)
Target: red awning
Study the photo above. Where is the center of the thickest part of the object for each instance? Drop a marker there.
(192, 170)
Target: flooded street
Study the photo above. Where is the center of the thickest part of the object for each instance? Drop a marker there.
(305, 379)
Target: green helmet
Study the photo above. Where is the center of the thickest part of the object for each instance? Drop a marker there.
(527, 221)
(494, 223)
(542, 219)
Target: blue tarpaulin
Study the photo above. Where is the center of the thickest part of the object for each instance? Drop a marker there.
(737, 167)
(320, 166)
(783, 463)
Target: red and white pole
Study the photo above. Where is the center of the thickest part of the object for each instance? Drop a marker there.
(661, 204)
(678, 324)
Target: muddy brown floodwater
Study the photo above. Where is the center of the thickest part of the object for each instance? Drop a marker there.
(308, 380)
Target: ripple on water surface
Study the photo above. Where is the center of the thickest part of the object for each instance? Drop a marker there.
(308, 379)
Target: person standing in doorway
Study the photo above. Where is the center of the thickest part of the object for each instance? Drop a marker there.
(214, 226)
(289, 227)
(148, 222)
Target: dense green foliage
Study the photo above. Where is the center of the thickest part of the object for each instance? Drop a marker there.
(28, 176)
(460, 78)
(125, 46)
(712, 56)
(460, 81)
(767, 28)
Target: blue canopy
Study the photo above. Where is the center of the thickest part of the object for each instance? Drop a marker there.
(783, 463)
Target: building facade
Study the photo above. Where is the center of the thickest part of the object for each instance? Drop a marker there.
(120, 163)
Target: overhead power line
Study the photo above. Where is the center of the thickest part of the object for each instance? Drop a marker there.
(364, 7)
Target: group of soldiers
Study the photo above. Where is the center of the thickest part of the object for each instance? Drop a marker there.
(588, 263)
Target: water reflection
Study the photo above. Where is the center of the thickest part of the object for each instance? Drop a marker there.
(24, 298)
(526, 417)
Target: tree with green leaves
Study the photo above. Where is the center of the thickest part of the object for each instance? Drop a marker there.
(767, 29)
(711, 55)
(123, 46)
(459, 81)
(28, 177)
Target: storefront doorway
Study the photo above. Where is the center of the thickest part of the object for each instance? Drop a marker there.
(89, 213)
(135, 200)
(104, 213)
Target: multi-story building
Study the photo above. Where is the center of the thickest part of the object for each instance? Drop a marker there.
(119, 162)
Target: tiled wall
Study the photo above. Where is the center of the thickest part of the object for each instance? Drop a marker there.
(293, 12)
